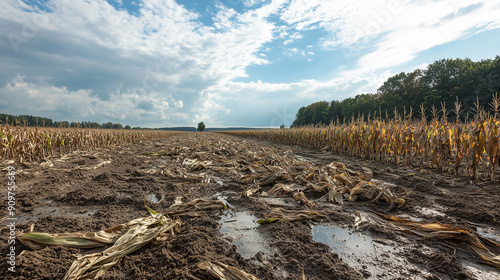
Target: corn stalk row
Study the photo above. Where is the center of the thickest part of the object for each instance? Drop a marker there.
(437, 144)
(38, 143)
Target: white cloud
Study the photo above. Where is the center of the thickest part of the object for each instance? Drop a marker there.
(399, 29)
(162, 65)
(164, 55)
(250, 3)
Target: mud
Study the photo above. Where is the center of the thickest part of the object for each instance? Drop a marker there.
(90, 191)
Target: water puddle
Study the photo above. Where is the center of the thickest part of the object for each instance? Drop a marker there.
(488, 233)
(152, 198)
(480, 271)
(370, 257)
(242, 228)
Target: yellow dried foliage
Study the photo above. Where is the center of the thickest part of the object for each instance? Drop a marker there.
(437, 144)
(38, 143)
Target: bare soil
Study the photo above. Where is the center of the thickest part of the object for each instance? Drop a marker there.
(91, 191)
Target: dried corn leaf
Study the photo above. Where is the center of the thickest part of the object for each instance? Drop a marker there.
(40, 240)
(92, 266)
(300, 196)
(367, 174)
(250, 179)
(344, 178)
(335, 193)
(251, 191)
(279, 214)
(284, 189)
(198, 204)
(488, 250)
(270, 179)
(225, 272)
(37, 240)
(368, 190)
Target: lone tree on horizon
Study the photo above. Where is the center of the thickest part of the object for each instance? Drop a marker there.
(201, 127)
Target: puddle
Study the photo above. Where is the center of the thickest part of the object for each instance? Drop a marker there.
(242, 228)
(372, 258)
(480, 271)
(153, 198)
(488, 233)
(57, 211)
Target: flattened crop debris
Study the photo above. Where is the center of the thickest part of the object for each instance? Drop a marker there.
(225, 272)
(280, 214)
(126, 238)
(486, 249)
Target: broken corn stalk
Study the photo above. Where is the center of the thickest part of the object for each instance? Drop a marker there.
(280, 214)
(487, 249)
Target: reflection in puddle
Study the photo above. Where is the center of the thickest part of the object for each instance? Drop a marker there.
(488, 233)
(480, 271)
(358, 250)
(342, 241)
(242, 227)
(153, 198)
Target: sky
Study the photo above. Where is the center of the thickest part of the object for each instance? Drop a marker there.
(253, 63)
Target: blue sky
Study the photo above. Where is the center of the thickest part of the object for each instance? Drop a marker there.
(157, 63)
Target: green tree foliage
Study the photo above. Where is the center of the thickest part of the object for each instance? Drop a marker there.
(315, 113)
(26, 120)
(201, 127)
(440, 83)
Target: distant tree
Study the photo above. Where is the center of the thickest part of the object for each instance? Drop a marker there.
(128, 127)
(201, 127)
(117, 126)
(282, 126)
(440, 83)
(107, 125)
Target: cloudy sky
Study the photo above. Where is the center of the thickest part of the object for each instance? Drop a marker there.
(157, 63)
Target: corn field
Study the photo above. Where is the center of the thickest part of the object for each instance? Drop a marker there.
(470, 147)
(38, 143)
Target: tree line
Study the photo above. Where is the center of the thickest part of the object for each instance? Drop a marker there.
(437, 86)
(28, 120)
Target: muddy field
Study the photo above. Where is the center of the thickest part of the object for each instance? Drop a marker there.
(92, 191)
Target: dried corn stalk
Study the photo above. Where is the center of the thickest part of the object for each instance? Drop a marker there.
(487, 249)
(92, 266)
(280, 214)
(27, 144)
(225, 272)
(198, 204)
(125, 238)
(38, 240)
(437, 144)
